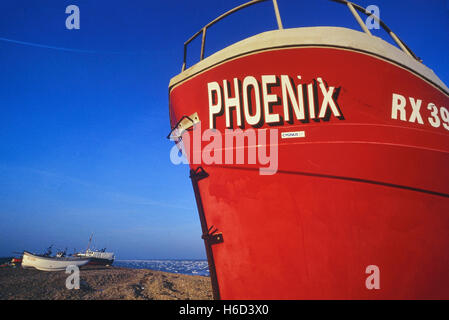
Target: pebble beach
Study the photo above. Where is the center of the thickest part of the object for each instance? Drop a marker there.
(102, 283)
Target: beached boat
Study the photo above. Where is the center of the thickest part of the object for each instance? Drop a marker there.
(47, 263)
(97, 257)
(356, 203)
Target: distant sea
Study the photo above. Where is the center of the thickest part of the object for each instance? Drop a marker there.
(190, 267)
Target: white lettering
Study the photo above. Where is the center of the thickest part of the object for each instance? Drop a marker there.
(287, 93)
(232, 103)
(311, 93)
(247, 83)
(398, 105)
(243, 104)
(328, 100)
(435, 120)
(268, 99)
(214, 108)
(416, 106)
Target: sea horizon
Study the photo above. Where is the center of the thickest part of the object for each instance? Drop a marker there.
(198, 267)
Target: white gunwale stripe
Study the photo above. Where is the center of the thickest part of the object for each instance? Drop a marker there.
(336, 37)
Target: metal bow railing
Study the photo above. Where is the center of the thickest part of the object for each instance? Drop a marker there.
(351, 6)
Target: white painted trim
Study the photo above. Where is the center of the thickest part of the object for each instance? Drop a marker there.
(313, 36)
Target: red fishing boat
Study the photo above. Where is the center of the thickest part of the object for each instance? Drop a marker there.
(356, 203)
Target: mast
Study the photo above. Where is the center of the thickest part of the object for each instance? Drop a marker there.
(90, 240)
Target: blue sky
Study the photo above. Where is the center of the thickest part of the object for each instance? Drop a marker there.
(84, 113)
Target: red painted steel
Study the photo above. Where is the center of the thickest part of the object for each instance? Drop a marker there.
(363, 190)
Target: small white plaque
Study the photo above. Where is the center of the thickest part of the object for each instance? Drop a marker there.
(293, 134)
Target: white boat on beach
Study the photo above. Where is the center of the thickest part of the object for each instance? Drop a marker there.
(97, 257)
(47, 263)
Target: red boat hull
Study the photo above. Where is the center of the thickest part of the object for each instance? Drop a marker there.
(370, 187)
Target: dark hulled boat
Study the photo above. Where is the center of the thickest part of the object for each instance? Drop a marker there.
(97, 257)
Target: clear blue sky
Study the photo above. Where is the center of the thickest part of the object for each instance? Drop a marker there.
(84, 113)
